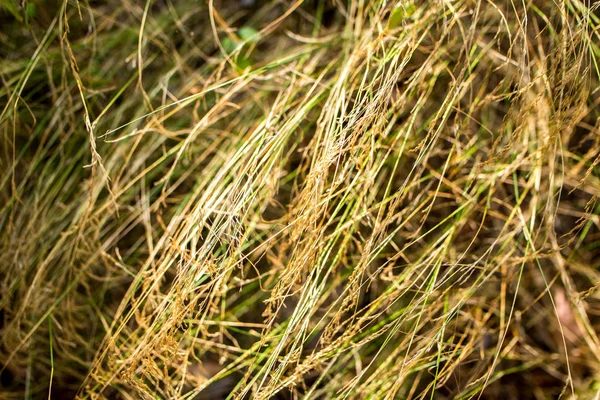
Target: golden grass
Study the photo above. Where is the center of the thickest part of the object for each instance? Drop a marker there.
(299, 199)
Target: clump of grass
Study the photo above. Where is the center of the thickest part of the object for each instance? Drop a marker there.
(310, 199)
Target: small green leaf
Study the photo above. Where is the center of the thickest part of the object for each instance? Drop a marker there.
(245, 33)
(399, 14)
(240, 50)
(29, 13)
(228, 44)
(242, 63)
(248, 34)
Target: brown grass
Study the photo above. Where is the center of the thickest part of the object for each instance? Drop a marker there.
(299, 199)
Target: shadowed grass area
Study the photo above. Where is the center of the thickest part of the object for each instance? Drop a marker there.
(299, 199)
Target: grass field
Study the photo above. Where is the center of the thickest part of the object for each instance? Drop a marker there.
(316, 199)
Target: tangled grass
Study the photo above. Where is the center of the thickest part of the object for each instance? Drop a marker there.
(300, 199)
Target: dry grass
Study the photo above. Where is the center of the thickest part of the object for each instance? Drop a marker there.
(309, 199)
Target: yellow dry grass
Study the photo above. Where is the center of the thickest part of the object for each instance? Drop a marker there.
(299, 199)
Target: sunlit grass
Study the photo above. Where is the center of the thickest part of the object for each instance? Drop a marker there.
(310, 199)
